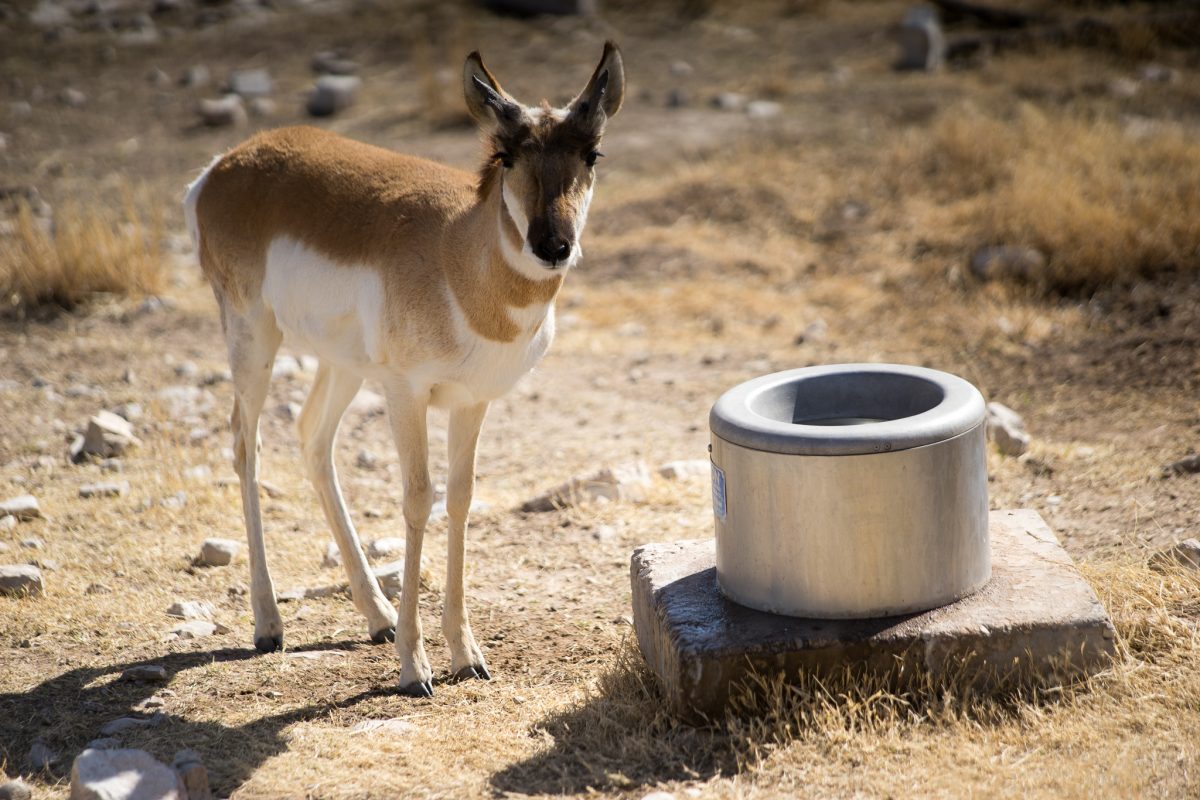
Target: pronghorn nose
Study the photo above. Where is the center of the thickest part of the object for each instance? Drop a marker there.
(553, 249)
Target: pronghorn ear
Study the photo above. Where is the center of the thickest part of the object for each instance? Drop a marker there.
(487, 102)
(602, 97)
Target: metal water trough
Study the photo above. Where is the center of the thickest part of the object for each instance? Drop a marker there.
(850, 491)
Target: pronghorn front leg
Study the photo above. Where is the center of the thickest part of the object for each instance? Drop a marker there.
(407, 412)
(466, 660)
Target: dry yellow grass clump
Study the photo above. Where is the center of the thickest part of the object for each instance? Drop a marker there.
(1106, 203)
(87, 249)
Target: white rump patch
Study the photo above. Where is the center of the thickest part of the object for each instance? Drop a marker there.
(335, 311)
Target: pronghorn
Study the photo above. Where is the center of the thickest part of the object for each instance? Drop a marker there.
(437, 283)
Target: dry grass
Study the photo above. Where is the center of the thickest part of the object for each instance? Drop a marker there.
(84, 251)
(1105, 203)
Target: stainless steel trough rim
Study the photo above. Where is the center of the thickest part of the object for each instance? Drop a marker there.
(960, 408)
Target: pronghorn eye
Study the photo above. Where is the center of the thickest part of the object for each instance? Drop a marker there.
(591, 157)
(505, 159)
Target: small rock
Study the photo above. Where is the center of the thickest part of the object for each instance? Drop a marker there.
(201, 473)
(72, 98)
(131, 412)
(1124, 88)
(329, 62)
(223, 112)
(97, 588)
(332, 94)
(174, 501)
(32, 543)
(624, 482)
(8, 522)
(193, 774)
(217, 552)
(333, 556)
(104, 489)
(194, 76)
(604, 533)
(922, 43)
(1157, 73)
(681, 69)
(124, 774)
(21, 579)
(263, 107)
(1006, 428)
(107, 436)
(23, 507)
(249, 83)
(686, 469)
(49, 14)
(197, 629)
(659, 796)
(763, 109)
(288, 411)
(729, 101)
(272, 490)
(183, 400)
(107, 743)
(1183, 554)
(41, 756)
(1009, 262)
(310, 592)
(145, 673)
(383, 726)
(15, 790)
(677, 98)
(156, 77)
(115, 726)
(390, 547)
(314, 655)
(1188, 465)
(367, 460)
(391, 578)
(191, 609)
(186, 369)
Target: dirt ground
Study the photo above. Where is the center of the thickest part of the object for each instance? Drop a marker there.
(722, 245)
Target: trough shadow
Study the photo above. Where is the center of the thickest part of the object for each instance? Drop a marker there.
(68, 710)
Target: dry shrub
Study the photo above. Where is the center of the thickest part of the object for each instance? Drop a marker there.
(87, 250)
(1104, 204)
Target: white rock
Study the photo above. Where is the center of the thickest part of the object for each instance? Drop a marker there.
(191, 609)
(104, 489)
(391, 578)
(383, 726)
(32, 543)
(250, 83)
(333, 555)
(623, 482)
(367, 460)
(332, 94)
(728, 101)
(183, 400)
(197, 629)
(1006, 428)
(763, 109)
(658, 796)
(145, 673)
(200, 473)
(390, 547)
(285, 367)
(222, 112)
(123, 775)
(310, 592)
(22, 507)
(217, 552)
(1182, 554)
(21, 579)
(685, 469)
(127, 723)
(438, 509)
(8, 522)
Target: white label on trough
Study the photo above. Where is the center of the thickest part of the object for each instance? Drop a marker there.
(718, 491)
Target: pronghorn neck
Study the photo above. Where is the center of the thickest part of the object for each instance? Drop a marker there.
(502, 285)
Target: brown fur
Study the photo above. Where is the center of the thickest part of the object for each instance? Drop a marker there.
(421, 224)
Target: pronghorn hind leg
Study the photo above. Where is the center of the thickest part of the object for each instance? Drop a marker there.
(252, 340)
(332, 392)
(466, 659)
(407, 414)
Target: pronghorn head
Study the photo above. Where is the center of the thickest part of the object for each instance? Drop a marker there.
(544, 158)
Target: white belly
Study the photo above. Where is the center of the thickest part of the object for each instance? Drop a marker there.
(332, 310)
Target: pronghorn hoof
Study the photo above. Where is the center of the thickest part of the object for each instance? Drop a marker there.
(418, 689)
(385, 635)
(471, 672)
(269, 644)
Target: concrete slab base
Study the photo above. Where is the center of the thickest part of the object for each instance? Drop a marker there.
(1036, 615)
